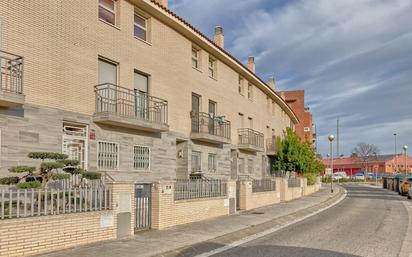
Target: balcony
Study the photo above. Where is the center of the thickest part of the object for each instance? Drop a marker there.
(123, 107)
(11, 80)
(271, 147)
(250, 140)
(209, 128)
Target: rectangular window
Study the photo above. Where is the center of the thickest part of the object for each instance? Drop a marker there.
(108, 156)
(107, 71)
(140, 27)
(107, 11)
(212, 67)
(240, 88)
(75, 142)
(241, 165)
(141, 156)
(196, 161)
(195, 58)
(250, 122)
(250, 91)
(250, 166)
(212, 162)
(241, 120)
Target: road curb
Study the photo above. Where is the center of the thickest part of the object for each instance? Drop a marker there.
(406, 249)
(242, 236)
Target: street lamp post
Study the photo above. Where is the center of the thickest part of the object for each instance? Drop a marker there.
(396, 157)
(331, 138)
(405, 149)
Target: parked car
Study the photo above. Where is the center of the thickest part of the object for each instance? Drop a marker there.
(360, 176)
(336, 176)
(405, 186)
(342, 174)
(410, 193)
(376, 176)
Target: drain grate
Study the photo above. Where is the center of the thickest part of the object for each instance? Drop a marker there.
(257, 212)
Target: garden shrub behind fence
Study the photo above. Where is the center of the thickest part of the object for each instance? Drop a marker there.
(199, 188)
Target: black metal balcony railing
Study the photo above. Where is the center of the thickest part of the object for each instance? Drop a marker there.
(125, 102)
(208, 123)
(11, 67)
(252, 137)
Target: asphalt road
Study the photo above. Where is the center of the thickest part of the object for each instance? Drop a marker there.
(369, 222)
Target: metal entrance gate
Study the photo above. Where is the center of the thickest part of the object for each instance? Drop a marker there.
(143, 196)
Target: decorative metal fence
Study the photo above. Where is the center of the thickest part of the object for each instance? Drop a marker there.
(199, 188)
(263, 185)
(294, 182)
(122, 101)
(11, 72)
(206, 123)
(20, 203)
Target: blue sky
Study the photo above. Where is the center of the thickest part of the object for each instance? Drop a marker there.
(352, 57)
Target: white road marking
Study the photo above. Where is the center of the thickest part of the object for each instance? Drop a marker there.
(268, 231)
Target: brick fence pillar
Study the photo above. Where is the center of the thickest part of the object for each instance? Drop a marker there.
(285, 195)
(123, 205)
(162, 204)
(245, 194)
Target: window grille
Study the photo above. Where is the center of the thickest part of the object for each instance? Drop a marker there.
(108, 156)
(141, 157)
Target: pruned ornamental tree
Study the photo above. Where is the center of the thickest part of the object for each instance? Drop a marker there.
(295, 155)
(50, 164)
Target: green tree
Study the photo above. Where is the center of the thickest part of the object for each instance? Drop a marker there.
(294, 155)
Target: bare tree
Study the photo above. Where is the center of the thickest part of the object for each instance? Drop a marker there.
(366, 153)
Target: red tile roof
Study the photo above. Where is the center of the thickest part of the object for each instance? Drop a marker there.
(167, 10)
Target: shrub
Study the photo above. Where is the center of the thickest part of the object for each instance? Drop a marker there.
(21, 169)
(9, 180)
(30, 184)
(47, 155)
(91, 175)
(311, 177)
(51, 165)
(60, 176)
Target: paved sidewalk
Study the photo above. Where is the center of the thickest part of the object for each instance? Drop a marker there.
(154, 242)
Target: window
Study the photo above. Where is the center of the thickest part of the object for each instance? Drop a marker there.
(241, 120)
(249, 91)
(212, 67)
(250, 166)
(195, 58)
(241, 165)
(141, 156)
(196, 161)
(306, 129)
(240, 83)
(250, 122)
(107, 11)
(140, 27)
(107, 71)
(212, 162)
(108, 156)
(75, 141)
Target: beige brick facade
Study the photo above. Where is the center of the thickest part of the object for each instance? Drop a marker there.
(252, 200)
(61, 42)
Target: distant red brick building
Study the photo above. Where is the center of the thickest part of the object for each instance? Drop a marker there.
(304, 129)
(383, 164)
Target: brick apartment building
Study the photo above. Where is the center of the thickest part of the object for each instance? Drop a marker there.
(131, 89)
(305, 127)
(383, 164)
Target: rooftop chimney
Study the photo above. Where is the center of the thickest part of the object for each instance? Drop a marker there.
(251, 64)
(219, 38)
(272, 83)
(165, 3)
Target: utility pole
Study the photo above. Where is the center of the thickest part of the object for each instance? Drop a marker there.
(337, 139)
